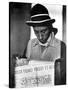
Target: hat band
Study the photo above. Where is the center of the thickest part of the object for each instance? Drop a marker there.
(39, 15)
(40, 18)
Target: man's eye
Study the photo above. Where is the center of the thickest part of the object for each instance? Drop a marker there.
(43, 31)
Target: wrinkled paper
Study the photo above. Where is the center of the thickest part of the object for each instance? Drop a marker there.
(36, 73)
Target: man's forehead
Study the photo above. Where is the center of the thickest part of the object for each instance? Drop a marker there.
(40, 27)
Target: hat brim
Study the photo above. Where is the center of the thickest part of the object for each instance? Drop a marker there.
(43, 22)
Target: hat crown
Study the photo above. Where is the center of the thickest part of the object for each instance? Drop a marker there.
(40, 16)
(39, 9)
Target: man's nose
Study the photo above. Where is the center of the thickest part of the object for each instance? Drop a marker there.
(40, 35)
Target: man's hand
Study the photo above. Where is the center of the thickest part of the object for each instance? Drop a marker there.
(21, 61)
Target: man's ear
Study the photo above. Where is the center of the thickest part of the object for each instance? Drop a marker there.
(55, 30)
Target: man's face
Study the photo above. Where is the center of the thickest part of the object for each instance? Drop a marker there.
(42, 33)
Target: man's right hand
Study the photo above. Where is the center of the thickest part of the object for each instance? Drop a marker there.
(22, 62)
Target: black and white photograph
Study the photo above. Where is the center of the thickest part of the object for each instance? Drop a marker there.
(37, 45)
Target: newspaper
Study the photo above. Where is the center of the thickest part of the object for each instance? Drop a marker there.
(36, 73)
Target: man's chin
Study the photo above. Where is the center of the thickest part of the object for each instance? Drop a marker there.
(42, 41)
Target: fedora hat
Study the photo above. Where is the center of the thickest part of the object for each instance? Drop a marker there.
(39, 16)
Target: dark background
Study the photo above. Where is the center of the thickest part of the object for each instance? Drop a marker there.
(19, 34)
(19, 31)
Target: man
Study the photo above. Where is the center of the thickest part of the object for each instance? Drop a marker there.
(46, 47)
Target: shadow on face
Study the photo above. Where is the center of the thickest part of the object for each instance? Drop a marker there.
(42, 33)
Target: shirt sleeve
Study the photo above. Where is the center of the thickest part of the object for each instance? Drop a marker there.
(28, 51)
